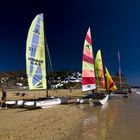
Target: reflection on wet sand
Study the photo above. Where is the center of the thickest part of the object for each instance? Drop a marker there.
(90, 128)
(99, 121)
(128, 121)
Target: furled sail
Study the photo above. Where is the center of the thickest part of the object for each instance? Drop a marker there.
(88, 76)
(35, 55)
(110, 83)
(99, 72)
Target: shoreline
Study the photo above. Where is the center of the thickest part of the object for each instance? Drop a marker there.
(70, 121)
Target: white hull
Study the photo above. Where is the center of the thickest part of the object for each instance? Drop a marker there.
(18, 102)
(46, 103)
(82, 101)
(90, 98)
(104, 100)
(10, 102)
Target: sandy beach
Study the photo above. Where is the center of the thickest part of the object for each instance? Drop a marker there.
(72, 121)
(58, 122)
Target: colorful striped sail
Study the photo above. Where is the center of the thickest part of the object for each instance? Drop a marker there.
(99, 72)
(88, 76)
(35, 55)
(110, 83)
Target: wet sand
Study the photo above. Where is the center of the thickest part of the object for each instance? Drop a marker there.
(119, 119)
(99, 121)
(127, 124)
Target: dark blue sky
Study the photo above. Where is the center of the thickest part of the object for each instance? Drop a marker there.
(115, 25)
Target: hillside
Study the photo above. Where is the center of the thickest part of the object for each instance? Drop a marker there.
(62, 79)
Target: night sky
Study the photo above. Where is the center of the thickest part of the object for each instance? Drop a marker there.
(115, 25)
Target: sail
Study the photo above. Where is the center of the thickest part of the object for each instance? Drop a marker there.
(110, 83)
(88, 76)
(99, 71)
(35, 55)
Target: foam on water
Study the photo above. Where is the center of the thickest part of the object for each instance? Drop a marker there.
(137, 91)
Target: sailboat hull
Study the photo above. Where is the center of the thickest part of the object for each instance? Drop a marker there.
(17, 103)
(104, 100)
(46, 103)
(93, 98)
(82, 101)
(87, 98)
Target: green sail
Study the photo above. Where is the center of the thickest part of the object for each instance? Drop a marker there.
(99, 71)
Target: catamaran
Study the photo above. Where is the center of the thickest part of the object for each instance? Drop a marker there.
(104, 83)
(36, 65)
(88, 75)
(89, 81)
(121, 92)
(88, 72)
(101, 90)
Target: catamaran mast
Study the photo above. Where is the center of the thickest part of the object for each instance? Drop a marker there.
(120, 78)
(107, 91)
(46, 58)
(49, 60)
(46, 69)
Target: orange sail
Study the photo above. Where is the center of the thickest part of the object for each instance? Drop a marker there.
(99, 71)
(110, 83)
(88, 76)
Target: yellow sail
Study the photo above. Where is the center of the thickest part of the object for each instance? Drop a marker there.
(35, 55)
(99, 71)
(110, 83)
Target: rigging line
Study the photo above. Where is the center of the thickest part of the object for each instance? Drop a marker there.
(50, 62)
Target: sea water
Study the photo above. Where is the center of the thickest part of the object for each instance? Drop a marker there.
(136, 90)
(119, 119)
